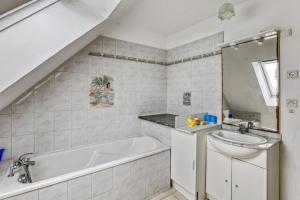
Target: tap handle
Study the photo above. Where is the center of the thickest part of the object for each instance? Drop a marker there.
(30, 162)
(241, 125)
(24, 156)
(251, 125)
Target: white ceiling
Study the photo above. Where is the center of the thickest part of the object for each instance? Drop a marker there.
(165, 17)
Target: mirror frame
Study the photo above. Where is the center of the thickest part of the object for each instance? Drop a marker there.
(278, 108)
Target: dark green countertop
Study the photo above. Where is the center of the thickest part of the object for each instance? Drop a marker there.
(163, 119)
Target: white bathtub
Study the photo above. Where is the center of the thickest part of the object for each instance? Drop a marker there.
(58, 167)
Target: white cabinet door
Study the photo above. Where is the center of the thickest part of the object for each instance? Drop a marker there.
(218, 176)
(183, 160)
(248, 181)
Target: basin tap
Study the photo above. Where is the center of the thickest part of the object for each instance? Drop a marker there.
(251, 125)
(245, 129)
(22, 162)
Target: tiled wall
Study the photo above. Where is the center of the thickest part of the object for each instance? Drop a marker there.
(136, 180)
(55, 115)
(201, 77)
(160, 132)
(198, 47)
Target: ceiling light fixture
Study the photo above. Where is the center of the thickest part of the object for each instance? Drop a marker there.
(259, 40)
(234, 46)
(226, 11)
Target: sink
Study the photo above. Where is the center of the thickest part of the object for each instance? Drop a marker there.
(239, 138)
(241, 146)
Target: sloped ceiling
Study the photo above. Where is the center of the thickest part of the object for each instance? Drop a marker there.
(162, 18)
(166, 17)
(7, 5)
(34, 47)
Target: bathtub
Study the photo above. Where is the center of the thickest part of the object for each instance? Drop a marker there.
(58, 167)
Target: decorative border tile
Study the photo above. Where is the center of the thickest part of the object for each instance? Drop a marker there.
(119, 57)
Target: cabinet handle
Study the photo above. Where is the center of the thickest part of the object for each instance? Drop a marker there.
(226, 181)
(236, 186)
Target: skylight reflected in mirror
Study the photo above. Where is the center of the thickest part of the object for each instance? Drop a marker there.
(270, 69)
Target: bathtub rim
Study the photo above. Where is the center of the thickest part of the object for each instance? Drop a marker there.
(80, 173)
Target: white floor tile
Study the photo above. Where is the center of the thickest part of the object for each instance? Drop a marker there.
(171, 194)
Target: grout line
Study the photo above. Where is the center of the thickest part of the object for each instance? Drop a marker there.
(11, 130)
(67, 182)
(91, 175)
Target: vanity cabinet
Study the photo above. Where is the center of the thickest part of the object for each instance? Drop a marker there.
(256, 178)
(218, 173)
(183, 160)
(248, 181)
(188, 162)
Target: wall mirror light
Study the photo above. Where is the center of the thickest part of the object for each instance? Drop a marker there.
(251, 83)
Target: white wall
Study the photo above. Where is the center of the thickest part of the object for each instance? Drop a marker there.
(135, 34)
(119, 26)
(252, 17)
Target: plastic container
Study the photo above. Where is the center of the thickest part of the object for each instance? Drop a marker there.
(207, 118)
(214, 119)
(1, 154)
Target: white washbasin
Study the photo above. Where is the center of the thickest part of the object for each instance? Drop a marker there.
(236, 145)
(239, 138)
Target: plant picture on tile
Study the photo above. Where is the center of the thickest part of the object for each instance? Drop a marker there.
(187, 98)
(102, 92)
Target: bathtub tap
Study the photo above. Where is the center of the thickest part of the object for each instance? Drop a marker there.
(24, 162)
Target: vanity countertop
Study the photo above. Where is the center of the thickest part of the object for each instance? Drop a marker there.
(4, 165)
(170, 121)
(163, 119)
(271, 141)
(195, 129)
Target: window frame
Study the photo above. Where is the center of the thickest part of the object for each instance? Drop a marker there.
(263, 64)
(17, 8)
(271, 100)
(22, 12)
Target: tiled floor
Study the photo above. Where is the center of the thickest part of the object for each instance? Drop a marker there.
(172, 194)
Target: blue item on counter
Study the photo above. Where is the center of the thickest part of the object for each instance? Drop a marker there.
(204, 117)
(214, 119)
(207, 118)
(1, 154)
(230, 115)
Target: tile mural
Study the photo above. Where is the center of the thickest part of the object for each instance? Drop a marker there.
(102, 92)
(187, 99)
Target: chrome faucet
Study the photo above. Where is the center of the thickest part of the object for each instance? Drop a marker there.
(24, 162)
(245, 129)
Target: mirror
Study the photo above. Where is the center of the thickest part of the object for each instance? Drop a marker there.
(251, 83)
